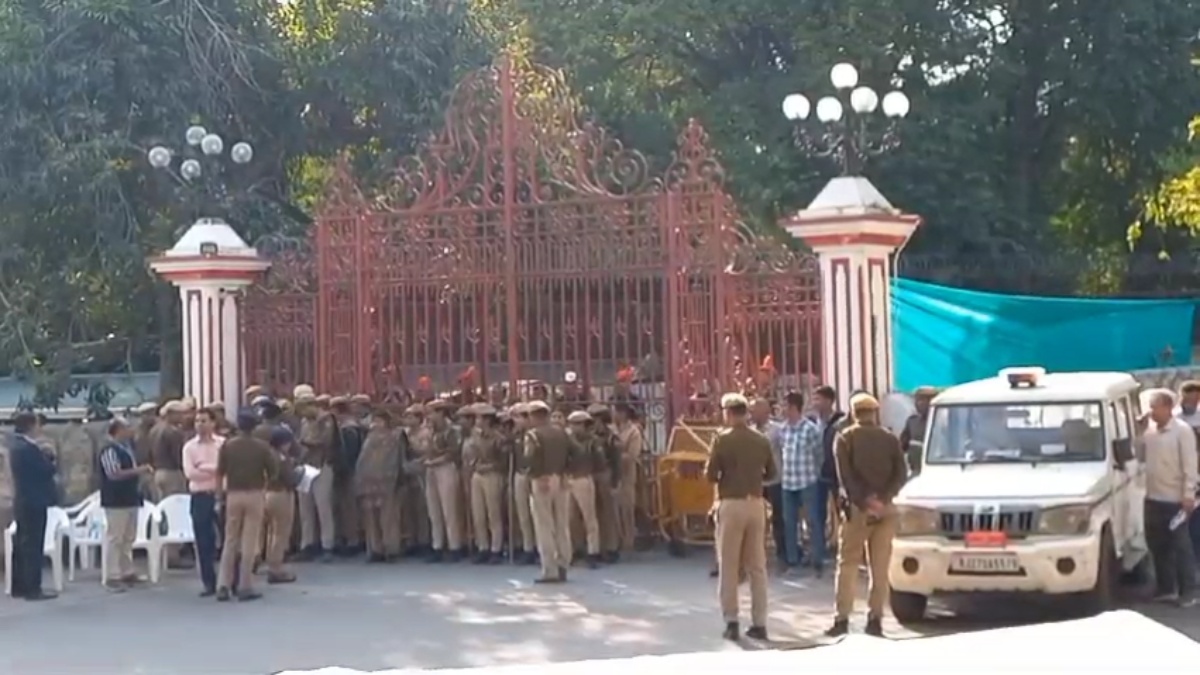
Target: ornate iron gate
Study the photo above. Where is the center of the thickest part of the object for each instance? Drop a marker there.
(519, 245)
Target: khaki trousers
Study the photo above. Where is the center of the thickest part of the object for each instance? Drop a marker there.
(606, 513)
(877, 537)
(583, 497)
(627, 506)
(487, 511)
(522, 491)
(279, 516)
(442, 498)
(550, 503)
(169, 482)
(414, 516)
(244, 513)
(381, 522)
(119, 534)
(465, 487)
(317, 514)
(742, 549)
(346, 511)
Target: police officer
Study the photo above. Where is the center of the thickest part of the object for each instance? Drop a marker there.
(581, 467)
(740, 461)
(524, 537)
(443, 484)
(912, 438)
(547, 449)
(488, 472)
(607, 480)
(871, 470)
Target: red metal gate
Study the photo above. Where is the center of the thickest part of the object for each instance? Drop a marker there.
(519, 245)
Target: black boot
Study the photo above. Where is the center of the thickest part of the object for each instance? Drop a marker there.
(839, 628)
(481, 558)
(530, 558)
(874, 626)
(435, 556)
(593, 561)
(757, 633)
(612, 557)
(731, 631)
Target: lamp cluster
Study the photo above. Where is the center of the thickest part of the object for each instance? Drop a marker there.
(210, 144)
(843, 137)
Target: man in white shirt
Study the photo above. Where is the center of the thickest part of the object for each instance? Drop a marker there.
(1168, 448)
(1189, 412)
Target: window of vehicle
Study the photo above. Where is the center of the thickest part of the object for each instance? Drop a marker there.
(1041, 432)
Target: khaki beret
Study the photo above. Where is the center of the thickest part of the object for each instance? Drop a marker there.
(579, 417)
(338, 400)
(360, 398)
(252, 391)
(925, 392)
(863, 401)
(215, 405)
(323, 398)
(733, 400)
(483, 409)
(305, 397)
(188, 402)
(415, 409)
(598, 409)
(283, 404)
(303, 391)
(146, 408)
(437, 404)
(518, 409)
(537, 406)
(467, 410)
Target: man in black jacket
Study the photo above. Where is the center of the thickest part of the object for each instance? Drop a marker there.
(831, 421)
(33, 475)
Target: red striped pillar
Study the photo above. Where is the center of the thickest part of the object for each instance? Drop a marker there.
(211, 265)
(855, 234)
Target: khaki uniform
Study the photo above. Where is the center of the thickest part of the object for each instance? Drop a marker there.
(377, 478)
(245, 463)
(489, 465)
(581, 466)
(279, 515)
(525, 537)
(317, 527)
(143, 450)
(606, 476)
(741, 460)
(166, 442)
(443, 489)
(466, 468)
(870, 464)
(632, 444)
(414, 511)
(547, 449)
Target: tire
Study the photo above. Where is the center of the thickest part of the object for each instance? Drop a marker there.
(1103, 595)
(908, 607)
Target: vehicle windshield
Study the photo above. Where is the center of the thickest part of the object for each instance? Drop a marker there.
(995, 433)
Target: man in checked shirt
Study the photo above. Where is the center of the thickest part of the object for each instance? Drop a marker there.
(800, 471)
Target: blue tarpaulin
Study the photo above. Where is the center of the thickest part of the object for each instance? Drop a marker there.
(946, 336)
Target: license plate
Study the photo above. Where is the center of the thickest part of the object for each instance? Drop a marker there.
(985, 564)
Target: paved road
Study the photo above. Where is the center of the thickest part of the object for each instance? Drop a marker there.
(411, 614)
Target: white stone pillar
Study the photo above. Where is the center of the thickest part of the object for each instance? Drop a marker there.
(211, 265)
(855, 234)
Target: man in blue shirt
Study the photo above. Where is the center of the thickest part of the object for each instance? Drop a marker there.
(33, 474)
(801, 452)
(120, 497)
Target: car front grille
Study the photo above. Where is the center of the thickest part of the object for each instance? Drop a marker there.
(1015, 522)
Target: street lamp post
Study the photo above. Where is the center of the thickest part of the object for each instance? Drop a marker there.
(210, 265)
(846, 138)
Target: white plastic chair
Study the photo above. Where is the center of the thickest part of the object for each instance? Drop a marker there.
(58, 527)
(149, 539)
(176, 510)
(87, 538)
(86, 504)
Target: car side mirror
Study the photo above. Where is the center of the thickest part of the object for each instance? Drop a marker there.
(1122, 450)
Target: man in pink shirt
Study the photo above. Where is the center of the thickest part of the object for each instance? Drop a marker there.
(200, 466)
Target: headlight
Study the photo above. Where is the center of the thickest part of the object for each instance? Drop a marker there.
(1062, 520)
(915, 521)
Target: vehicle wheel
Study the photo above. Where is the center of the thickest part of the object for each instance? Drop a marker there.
(908, 607)
(1108, 577)
(676, 548)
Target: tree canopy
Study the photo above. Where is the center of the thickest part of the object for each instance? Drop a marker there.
(1051, 130)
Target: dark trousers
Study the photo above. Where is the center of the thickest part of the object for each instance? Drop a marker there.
(774, 496)
(204, 522)
(1194, 526)
(1171, 550)
(28, 551)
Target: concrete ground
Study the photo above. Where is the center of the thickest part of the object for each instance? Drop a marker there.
(417, 615)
